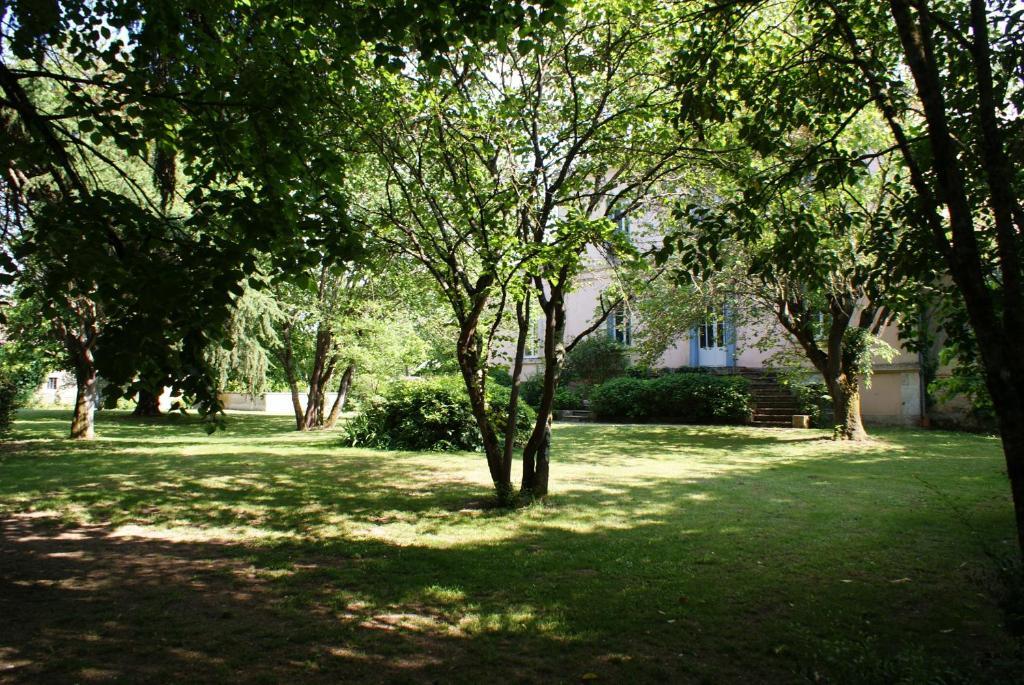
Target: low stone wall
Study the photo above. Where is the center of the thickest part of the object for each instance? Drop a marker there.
(238, 401)
(268, 402)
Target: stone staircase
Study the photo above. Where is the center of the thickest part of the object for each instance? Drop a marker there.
(774, 405)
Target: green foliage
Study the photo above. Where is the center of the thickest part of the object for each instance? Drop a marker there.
(9, 401)
(594, 360)
(31, 350)
(622, 398)
(568, 398)
(162, 153)
(531, 389)
(860, 347)
(501, 376)
(674, 397)
(813, 399)
(432, 415)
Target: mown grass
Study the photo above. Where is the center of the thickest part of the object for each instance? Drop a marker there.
(665, 553)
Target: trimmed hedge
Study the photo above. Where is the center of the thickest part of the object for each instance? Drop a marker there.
(432, 415)
(674, 397)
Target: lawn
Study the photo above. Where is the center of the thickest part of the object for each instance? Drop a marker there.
(683, 554)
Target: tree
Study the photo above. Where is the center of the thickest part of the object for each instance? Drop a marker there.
(521, 157)
(945, 78)
(833, 304)
(229, 92)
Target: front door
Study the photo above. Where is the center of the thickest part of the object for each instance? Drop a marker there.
(711, 348)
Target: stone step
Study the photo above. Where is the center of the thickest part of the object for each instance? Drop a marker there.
(574, 415)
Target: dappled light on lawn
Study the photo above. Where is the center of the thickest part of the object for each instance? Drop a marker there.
(660, 551)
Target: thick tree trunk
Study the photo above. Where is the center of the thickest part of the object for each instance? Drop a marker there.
(79, 342)
(319, 377)
(1008, 402)
(846, 407)
(339, 401)
(147, 404)
(83, 420)
(469, 355)
(1011, 430)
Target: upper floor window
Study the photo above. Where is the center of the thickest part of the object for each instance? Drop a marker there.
(535, 340)
(51, 383)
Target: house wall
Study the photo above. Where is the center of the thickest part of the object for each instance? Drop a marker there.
(61, 396)
(894, 395)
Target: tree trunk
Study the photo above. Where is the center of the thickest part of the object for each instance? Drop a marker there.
(339, 401)
(471, 363)
(287, 358)
(1008, 401)
(319, 376)
(293, 388)
(846, 407)
(523, 322)
(536, 454)
(1011, 430)
(83, 420)
(147, 404)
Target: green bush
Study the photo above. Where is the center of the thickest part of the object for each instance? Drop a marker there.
(675, 397)
(9, 401)
(531, 389)
(501, 376)
(595, 360)
(814, 400)
(432, 415)
(568, 398)
(622, 398)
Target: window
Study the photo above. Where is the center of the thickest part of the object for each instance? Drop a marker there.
(712, 331)
(535, 340)
(620, 328)
(622, 223)
(51, 383)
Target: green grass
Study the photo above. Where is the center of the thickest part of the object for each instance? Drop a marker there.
(665, 553)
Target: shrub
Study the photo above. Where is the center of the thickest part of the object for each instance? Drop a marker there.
(701, 398)
(9, 401)
(814, 400)
(622, 398)
(531, 389)
(595, 360)
(432, 415)
(568, 398)
(501, 376)
(676, 397)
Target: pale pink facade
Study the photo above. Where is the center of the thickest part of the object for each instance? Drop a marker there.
(895, 395)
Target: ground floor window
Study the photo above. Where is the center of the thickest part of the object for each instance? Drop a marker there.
(712, 331)
(620, 328)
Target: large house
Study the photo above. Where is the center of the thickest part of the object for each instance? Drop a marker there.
(895, 396)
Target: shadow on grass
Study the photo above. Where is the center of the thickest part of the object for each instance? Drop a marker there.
(666, 553)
